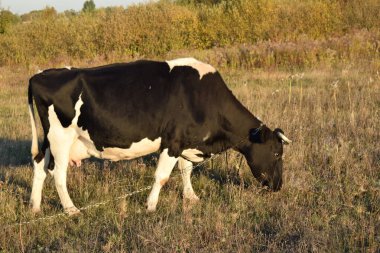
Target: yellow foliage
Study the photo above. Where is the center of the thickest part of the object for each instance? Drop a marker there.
(154, 29)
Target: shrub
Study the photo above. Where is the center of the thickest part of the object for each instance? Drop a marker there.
(155, 29)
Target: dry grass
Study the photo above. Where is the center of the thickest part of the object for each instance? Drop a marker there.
(330, 201)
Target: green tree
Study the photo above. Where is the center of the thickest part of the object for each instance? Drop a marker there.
(7, 18)
(88, 6)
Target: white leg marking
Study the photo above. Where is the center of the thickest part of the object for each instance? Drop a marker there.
(164, 168)
(186, 168)
(61, 140)
(38, 181)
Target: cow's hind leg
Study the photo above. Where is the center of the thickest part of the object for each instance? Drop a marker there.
(41, 163)
(165, 166)
(61, 139)
(61, 153)
(186, 168)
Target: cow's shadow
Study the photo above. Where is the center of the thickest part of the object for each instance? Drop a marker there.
(222, 175)
(14, 153)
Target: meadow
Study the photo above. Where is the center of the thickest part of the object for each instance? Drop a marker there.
(320, 83)
(329, 202)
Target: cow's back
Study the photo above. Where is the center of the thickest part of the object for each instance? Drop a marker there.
(127, 102)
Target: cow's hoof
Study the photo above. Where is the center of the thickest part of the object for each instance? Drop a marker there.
(192, 198)
(36, 210)
(151, 208)
(72, 211)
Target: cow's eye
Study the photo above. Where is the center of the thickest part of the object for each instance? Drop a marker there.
(277, 155)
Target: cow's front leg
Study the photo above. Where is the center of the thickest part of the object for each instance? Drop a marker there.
(39, 176)
(186, 168)
(164, 168)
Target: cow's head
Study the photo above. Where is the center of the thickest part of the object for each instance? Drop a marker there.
(264, 155)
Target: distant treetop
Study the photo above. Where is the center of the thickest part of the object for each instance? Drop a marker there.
(88, 6)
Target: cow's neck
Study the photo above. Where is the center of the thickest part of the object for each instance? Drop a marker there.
(235, 121)
(242, 121)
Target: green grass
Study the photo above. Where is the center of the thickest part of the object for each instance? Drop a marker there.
(330, 201)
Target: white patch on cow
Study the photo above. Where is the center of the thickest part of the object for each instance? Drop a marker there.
(207, 136)
(164, 168)
(38, 181)
(39, 71)
(186, 168)
(68, 67)
(34, 149)
(192, 155)
(201, 67)
(61, 139)
(137, 149)
(84, 147)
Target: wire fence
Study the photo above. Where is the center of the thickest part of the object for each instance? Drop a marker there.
(94, 205)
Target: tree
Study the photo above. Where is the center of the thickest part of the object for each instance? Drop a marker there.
(7, 18)
(88, 6)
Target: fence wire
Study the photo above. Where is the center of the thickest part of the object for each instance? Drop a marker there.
(94, 205)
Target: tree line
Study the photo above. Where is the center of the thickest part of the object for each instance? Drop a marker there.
(156, 29)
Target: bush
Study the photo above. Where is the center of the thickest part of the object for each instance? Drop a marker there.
(155, 29)
(7, 19)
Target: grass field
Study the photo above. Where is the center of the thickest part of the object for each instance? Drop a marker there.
(330, 201)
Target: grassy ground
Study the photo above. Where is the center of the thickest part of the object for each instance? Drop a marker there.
(330, 201)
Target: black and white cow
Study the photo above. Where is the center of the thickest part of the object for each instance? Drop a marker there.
(181, 108)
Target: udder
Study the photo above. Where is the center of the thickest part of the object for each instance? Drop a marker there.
(78, 152)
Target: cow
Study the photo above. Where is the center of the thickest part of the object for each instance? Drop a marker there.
(181, 108)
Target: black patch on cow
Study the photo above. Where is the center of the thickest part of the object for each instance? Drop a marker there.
(260, 134)
(255, 135)
(51, 163)
(127, 102)
(38, 158)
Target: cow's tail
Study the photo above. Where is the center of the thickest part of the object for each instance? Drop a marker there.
(34, 149)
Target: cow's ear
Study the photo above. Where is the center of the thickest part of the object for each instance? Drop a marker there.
(256, 135)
